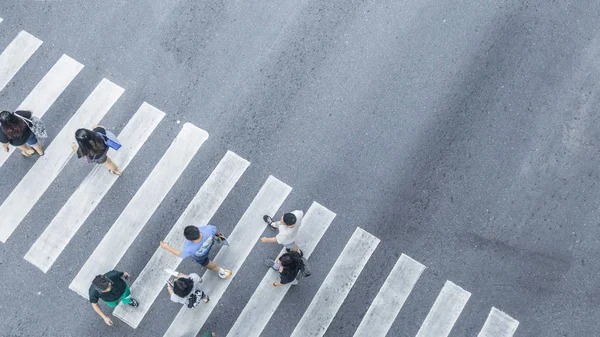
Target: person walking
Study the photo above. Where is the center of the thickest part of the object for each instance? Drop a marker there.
(92, 145)
(288, 230)
(288, 265)
(185, 289)
(199, 241)
(15, 130)
(112, 289)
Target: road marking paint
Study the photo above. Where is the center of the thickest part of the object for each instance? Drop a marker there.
(445, 311)
(141, 207)
(16, 55)
(46, 168)
(266, 298)
(94, 187)
(498, 324)
(391, 297)
(244, 236)
(200, 210)
(337, 285)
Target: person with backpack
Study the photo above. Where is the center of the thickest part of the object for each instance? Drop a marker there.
(185, 289)
(15, 129)
(94, 144)
(291, 266)
(199, 241)
(112, 289)
(288, 228)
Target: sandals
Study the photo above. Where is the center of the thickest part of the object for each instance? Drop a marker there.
(115, 173)
(28, 154)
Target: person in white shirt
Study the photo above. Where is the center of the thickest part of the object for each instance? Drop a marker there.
(185, 289)
(288, 230)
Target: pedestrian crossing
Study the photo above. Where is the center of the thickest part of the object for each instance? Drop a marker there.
(148, 286)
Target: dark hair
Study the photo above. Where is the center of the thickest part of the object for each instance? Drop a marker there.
(289, 219)
(90, 143)
(191, 233)
(183, 286)
(291, 260)
(12, 125)
(101, 282)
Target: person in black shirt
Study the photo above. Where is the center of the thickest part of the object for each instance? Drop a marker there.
(288, 265)
(112, 289)
(92, 146)
(15, 131)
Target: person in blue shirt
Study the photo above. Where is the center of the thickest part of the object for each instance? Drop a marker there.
(199, 241)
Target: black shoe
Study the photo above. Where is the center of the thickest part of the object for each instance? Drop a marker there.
(134, 303)
(269, 221)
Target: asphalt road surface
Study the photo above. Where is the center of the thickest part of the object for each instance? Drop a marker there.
(464, 134)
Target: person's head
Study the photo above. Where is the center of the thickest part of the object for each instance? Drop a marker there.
(191, 233)
(183, 286)
(102, 283)
(89, 142)
(12, 125)
(288, 219)
(290, 260)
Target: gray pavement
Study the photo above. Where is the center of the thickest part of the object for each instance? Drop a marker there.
(463, 134)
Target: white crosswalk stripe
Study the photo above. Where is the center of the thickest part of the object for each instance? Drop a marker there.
(47, 91)
(266, 298)
(391, 297)
(201, 209)
(498, 324)
(242, 239)
(94, 187)
(445, 311)
(46, 169)
(141, 207)
(337, 285)
(16, 55)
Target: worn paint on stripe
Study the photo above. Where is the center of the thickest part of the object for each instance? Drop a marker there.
(337, 285)
(151, 281)
(445, 311)
(141, 207)
(90, 192)
(16, 55)
(46, 169)
(47, 91)
(391, 297)
(266, 298)
(498, 324)
(242, 239)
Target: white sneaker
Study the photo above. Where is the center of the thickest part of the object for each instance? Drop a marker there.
(224, 273)
(293, 283)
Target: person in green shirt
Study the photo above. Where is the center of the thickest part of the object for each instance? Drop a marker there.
(112, 289)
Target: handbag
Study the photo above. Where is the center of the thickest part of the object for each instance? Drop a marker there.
(305, 270)
(35, 125)
(110, 140)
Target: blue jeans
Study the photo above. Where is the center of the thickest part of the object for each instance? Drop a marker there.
(32, 140)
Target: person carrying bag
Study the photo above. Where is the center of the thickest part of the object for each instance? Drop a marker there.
(94, 144)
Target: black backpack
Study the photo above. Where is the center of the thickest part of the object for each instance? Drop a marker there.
(305, 270)
(194, 298)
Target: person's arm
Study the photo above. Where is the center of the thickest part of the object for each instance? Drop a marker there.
(106, 319)
(170, 249)
(268, 240)
(170, 288)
